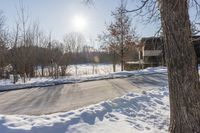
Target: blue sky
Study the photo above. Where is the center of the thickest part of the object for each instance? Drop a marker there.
(55, 16)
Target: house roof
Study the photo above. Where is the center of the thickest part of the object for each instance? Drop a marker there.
(196, 40)
(152, 43)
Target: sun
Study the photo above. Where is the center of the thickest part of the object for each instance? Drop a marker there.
(79, 23)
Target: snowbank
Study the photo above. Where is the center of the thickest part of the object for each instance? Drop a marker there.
(139, 113)
(43, 82)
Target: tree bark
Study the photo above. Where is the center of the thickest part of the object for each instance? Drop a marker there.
(182, 71)
(122, 57)
(42, 67)
(114, 61)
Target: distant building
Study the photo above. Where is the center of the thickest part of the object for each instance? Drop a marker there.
(151, 52)
(196, 43)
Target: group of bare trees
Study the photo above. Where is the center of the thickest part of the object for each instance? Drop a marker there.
(29, 47)
(3, 41)
(27, 51)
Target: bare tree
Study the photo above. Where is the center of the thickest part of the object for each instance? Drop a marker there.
(24, 40)
(74, 43)
(43, 54)
(3, 44)
(122, 31)
(110, 45)
(14, 52)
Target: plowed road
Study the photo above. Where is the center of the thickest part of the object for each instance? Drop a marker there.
(37, 101)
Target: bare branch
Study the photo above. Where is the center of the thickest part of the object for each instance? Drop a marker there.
(139, 8)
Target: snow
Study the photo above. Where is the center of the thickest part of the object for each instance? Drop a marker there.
(84, 69)
(199, 68)
(43, 81)
(146, 112)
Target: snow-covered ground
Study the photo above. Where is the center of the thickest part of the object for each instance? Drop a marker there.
(89, 69)
(84, 69)
(41, 82)
(146, 112)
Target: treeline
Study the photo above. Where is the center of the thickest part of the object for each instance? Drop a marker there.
(26, 48)
(24, 60)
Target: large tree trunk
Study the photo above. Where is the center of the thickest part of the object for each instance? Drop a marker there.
(182, 70)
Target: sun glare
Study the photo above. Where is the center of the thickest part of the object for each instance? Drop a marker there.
(79, 23)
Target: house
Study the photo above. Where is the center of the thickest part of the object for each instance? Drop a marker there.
(151, 53)
(196, 43)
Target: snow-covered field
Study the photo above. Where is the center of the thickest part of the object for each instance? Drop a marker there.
(85, 69)
(135, 112)
(41, 82)
(89, 69)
